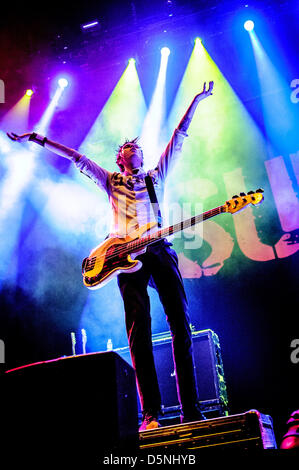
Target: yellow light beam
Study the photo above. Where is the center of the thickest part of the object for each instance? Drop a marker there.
(16, 119)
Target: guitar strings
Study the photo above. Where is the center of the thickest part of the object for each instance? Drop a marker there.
(127, 247)
(166, 232)
(95, 260)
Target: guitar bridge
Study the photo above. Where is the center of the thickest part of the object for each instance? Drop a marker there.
(84, 265)
(88, 264)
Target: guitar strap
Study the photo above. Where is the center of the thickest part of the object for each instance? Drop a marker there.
(153, 198)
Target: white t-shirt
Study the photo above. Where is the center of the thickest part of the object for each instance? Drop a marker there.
(128, 195)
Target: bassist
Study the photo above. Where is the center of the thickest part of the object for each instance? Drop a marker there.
(132, 207)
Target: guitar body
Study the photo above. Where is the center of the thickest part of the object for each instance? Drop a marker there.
(111, 258)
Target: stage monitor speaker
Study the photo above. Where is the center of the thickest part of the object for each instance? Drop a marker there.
(249, 432)
(71, 409)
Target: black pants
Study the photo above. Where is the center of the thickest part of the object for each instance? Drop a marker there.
(160, 262)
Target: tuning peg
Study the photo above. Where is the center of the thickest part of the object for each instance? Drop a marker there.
(250, 192)
(242, 194)
(259, 190)
(235, 197)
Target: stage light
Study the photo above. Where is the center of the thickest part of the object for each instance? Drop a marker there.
(132, 61)
(198, 41)
(249, 25)
(63, 83)
(90, 25)
(165, 51)
(29, 93)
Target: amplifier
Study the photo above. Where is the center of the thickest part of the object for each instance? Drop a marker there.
(208, 370)
(70, 409)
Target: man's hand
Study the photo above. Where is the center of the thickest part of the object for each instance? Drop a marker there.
(18, 138)
(205, 93)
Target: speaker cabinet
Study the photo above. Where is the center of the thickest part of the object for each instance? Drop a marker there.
(71, 409)
(208, 370)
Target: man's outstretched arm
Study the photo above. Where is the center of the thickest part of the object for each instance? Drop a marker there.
(55, 147)
(186, 120)
(91, 169)
(174, 147)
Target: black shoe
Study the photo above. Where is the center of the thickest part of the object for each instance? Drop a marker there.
(190, 415)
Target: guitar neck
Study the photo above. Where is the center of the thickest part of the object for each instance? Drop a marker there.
(165, 232)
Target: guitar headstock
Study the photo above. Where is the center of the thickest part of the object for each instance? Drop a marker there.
(238, 203)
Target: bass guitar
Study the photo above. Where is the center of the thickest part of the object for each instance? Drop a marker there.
(117, 255)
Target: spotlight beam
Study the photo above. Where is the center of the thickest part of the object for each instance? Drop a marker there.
(120, 118)
(279, 116)
(155, 117)
(42, 126)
